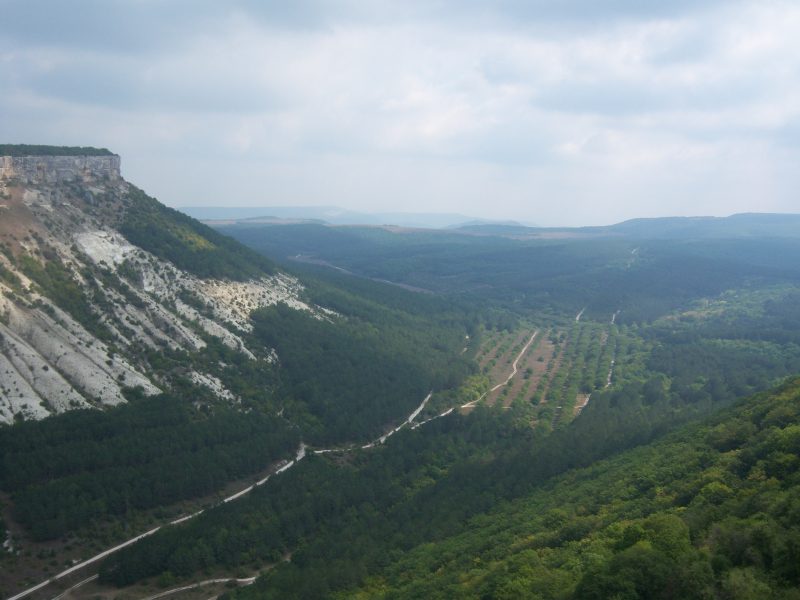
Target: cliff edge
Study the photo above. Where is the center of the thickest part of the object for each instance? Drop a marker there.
(58, 168)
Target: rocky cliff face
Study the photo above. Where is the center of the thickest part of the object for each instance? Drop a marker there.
(86, 316)
(58, 169)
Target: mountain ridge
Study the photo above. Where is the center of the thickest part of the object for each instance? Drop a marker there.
(698, 227)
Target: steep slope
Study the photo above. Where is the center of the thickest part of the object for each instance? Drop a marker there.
(710, 511)
(96, 278)
(454, 510)
(212, 365)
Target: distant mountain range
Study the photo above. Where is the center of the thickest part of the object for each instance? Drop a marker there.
(734, 226)
(335, 215)
(738, 225)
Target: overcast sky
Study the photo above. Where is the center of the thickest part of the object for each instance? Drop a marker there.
(553, 112)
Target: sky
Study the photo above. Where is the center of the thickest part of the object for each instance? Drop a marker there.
(568, 112)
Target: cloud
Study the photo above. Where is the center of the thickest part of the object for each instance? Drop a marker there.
(579, 111)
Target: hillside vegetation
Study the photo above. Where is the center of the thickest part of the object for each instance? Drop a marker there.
(69, 471)
(187, 243)
(642, 278)
(39, 150)
(249, 360)
(708, 511)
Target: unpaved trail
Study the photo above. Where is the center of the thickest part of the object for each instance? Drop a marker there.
(583, 400)
(439, 416)
(511, 375)
(85, 563)
(75, 587)
(494, 361)
(610, 372)
(242, 582)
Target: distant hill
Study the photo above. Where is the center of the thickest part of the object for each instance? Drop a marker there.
(502, 229)
(735, 226)
(333, 215)
(490, 223)
(738, 225)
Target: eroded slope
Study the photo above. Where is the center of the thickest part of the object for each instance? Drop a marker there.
(85, 313)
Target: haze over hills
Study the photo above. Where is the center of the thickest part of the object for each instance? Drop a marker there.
(734, 226)
(335, 216)
(563, 413)
(668, 227)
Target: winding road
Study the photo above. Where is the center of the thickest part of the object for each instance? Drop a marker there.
(284, 466)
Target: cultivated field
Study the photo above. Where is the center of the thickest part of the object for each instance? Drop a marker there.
(557, 368)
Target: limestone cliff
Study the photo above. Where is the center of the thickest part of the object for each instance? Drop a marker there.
(58, 169)
(86, 316)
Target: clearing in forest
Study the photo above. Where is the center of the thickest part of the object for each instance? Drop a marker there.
(512, 374)
(532, 369)
(496, 363)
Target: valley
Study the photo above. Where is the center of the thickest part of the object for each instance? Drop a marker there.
(191, 412)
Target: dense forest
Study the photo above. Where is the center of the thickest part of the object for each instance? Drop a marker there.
(354, 379)
(343, 379)
(643, 278)
(66, 472)
(709, 511)
(457, 511)
(375, 357)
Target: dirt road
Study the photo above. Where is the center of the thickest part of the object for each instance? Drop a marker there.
(511, 375)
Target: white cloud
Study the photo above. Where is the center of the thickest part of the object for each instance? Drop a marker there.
(574, 112)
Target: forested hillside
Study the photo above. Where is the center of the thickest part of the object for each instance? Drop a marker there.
(643, 278)
(456, 511)
(70, 471)
(710, 511)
